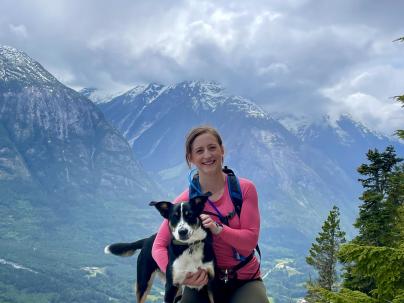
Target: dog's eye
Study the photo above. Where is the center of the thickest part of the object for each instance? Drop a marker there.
(188, 214)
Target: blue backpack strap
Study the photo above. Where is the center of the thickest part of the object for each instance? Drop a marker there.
(234, 189)
(194, 187)
(235, 194)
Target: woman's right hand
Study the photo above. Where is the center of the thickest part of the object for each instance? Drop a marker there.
(198, 278)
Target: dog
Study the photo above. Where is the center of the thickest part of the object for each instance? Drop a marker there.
(190, 249)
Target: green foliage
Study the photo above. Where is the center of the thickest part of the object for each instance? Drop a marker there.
(399, 298)
(323, 255)
(394, 205)
(344, 296)
(378, 220)
(385, 265)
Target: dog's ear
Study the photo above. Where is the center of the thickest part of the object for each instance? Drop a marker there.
(199, 201)
(163, 207)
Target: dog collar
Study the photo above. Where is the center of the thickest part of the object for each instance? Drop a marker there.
(176, 242)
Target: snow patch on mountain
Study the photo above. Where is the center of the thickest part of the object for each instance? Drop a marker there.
(16, 65)
(210, 96)
(99, 95)
(249, 108)
(306, 127)
(293, 123)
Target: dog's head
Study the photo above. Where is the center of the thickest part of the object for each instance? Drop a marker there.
(183, 218)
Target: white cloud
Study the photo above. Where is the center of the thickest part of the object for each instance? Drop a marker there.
(284, 55)
(19, 30)
(367, 96)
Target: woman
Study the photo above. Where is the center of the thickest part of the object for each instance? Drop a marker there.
(204, 150)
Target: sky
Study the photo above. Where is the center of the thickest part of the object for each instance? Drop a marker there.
(309, 58)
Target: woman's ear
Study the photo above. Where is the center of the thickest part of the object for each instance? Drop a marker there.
(189, 162)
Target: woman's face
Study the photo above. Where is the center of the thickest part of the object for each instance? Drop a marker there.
(207, 154)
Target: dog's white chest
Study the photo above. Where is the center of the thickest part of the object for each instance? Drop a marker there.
(189, 261)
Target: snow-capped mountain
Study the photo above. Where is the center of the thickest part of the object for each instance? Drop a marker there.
(298, 180)
(53, 136)
(98, 95)
(18, 68)
(344, 140)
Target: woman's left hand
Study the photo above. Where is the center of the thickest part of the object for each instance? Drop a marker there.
(211, 224)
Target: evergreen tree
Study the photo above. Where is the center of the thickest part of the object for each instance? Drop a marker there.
(381, 267)
(394, 234)
(323, 255)
(384, 265)
(377, 212)
(374, 215)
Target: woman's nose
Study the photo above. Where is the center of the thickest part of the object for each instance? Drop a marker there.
(206, 153)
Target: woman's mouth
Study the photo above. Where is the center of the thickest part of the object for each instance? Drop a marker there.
(208, 162)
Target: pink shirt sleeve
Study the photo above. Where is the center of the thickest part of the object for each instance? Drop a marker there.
(163, 238)
(245, 239)
(159, 250)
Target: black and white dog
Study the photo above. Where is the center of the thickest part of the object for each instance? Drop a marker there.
(189, 250)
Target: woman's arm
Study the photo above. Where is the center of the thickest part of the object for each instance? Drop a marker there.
(245, 239)
(159, 250)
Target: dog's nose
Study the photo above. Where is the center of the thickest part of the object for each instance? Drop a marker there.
(183, 233)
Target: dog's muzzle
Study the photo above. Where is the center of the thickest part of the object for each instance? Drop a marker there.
(183, 234)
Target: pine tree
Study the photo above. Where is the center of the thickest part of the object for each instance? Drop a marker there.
(394, 234)
(383, 265)
(323, 255)
(374, 215)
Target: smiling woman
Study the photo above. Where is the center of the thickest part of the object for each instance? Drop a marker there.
(237, 272)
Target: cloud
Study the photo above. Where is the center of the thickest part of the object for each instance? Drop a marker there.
(368, 97)
(284, 55)
(19, 30)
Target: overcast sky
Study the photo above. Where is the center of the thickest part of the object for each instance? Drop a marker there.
(306, 57)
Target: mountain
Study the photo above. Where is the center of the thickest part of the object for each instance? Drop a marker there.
(344, 139)
(298, 179)
(58, 138)
(68, 180)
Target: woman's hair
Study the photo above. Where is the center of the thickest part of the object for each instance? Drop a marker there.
(195, 132)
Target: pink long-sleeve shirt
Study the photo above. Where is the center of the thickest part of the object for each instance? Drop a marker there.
(241, 234)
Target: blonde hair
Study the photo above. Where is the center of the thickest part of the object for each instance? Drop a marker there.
(195, 132)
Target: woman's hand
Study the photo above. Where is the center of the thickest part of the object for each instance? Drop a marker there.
(211, 224)
(198, 278)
